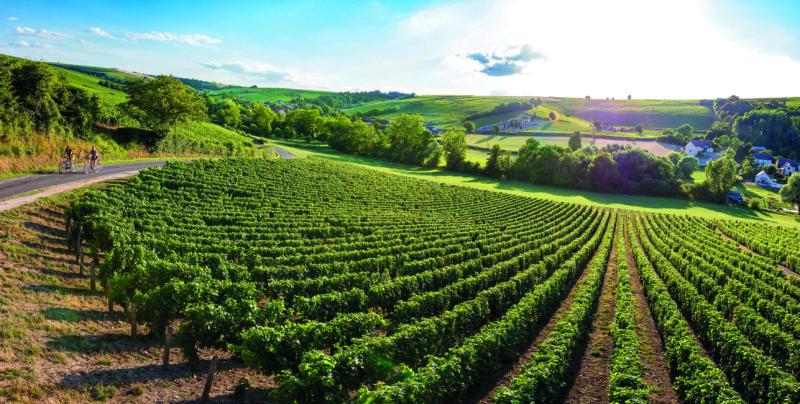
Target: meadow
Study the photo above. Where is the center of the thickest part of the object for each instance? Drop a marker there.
(512, 142)
(267, 94)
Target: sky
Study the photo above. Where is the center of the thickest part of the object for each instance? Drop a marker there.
(657, 49)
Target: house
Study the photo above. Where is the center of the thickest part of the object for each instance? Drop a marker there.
(787, 166)
(763, 179)
(695, 147)
(758, 149)
(433, 130)
(735, 197)
(763, 159)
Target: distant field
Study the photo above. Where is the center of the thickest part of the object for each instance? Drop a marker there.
(268, 94)
(514, 142)
(573, 114)
(89, 83)
(106, 70)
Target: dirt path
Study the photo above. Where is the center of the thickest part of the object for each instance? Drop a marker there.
(656, 369)
(591, 380)
(509, 369)
(780, 265)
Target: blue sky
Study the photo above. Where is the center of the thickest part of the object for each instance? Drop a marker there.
(650, 49)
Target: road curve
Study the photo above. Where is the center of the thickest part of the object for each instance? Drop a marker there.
(283, 153)
(10, 187)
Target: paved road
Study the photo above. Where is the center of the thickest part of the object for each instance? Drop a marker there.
(20, 185)
(283, 153)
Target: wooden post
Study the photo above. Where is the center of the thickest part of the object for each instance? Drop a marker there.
(108, 291)
(209, 380)
(67, 225)
(133, 319)
(167, 348)
(79, 251)
(92, 285)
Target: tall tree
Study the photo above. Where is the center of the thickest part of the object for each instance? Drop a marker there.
(496, 128)
(575, 141)
(455, 148)
(791, 191)
(163, 102)
(720, 176)
(688, 165)
(493, 162)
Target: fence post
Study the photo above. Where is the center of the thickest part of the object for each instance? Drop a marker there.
(92, 285)
(133, 320)
(167, 344)
(108, 291)
(79, 252)
(209, 380)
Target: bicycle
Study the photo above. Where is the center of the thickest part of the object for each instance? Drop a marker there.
(87, 168)
(66, 165)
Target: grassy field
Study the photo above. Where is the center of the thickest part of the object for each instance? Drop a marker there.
(631, 202)
(268, 94)
(573, 114)
(89, 83)
(514, 142)
(110, 72)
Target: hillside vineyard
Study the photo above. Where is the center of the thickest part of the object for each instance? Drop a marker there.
(348, 284)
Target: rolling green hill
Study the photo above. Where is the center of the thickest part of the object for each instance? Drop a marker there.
(574, 114)
(267, 94)
(110, 72)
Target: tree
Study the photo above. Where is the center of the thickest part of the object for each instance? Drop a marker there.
(688, 165)
(493, 162)
(720, 176)
(552, 115)
(597, 124)
(163, 102)
(639, 128)
(262, 117)
(674, 157)
(469, 126)
(455, 148)
(685, 130)
(602, 172)
(588, 98)
(496, 128)
(575, 141)
(791, 191)
(629, 97)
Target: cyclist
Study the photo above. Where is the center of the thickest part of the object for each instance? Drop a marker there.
(94, 157)
(68, 156)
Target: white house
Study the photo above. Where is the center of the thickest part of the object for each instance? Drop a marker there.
(699, 146)
(763, 159)
(787, 166)
(763, 179)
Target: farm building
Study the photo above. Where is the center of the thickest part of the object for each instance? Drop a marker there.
(763, 159)
(763, 179)
(787, 166)
(699, 146)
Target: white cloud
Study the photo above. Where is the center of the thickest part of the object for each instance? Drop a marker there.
(194, 39)
(12, 18)
(263, 72)
(42, 33)
(506, 61)
(99, 32)
(23, 44)
(611, 48)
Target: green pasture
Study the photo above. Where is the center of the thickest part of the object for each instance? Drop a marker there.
(267, 94)
(107, 70)
(89, 83)
(628, 202)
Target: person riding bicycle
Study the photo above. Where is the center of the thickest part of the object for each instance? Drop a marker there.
(68, 156)
(94, 157)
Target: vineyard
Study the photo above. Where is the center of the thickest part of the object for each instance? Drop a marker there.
(345, 284)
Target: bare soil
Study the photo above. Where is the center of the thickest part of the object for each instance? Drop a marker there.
(656, 369)
(590, 384)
